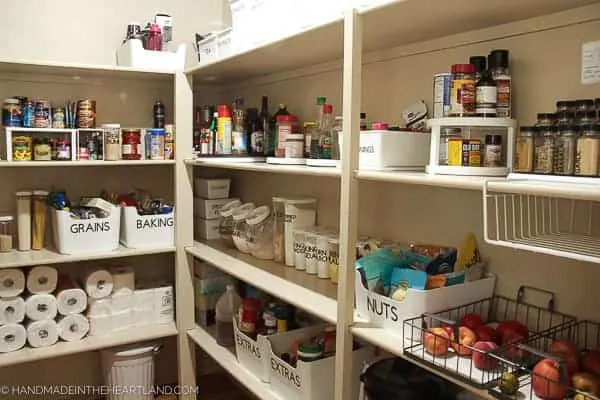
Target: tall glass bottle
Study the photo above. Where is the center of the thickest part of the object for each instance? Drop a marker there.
(213, 132)
(238, 132)
(274, 134)
(265, 126)
(205, 132)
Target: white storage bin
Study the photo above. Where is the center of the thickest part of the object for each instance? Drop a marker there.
(138, 231)
(391, 150)
(252, 354)
(133, 54)
(225, 43)
(77, 236)
(384, 312)
(131, 369)
(207, 229)
(309, 380)
(209, 209)
(208, 50)
(247, 33)
(213, 188)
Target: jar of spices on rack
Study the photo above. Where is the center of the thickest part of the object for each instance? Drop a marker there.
(585, 117)
(492, 152)
(565, 118)
(112, 141)
(544, 150)
(546, 119)
(565, 150)
(462, 93)
(584, 105)
(588, 151)
(447, 133)
(565, 106)
(524, 149)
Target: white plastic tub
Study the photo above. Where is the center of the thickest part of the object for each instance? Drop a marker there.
(77, 236)
(139, 231)
(252, 354)
(133, 54)
(131, 369)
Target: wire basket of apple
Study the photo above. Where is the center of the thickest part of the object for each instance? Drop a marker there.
(565, 363)
(477, 342)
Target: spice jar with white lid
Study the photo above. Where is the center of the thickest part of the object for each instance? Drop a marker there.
(240, 227)
(6, 236)
(524, 149)
(544, 150)
(226, 221)
(565, 150)
(588, 151)
(24, 220)
(260, 233)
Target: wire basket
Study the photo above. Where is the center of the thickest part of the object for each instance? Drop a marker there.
(532, 385)
(425, 345)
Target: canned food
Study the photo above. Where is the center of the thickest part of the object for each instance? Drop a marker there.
(464, 152)
(157, 144)
(41, 114)
(58, 118)
(442, 84)
(22, 148)
(169, 142)
(86, 114)
(11, 113)
(28, 111)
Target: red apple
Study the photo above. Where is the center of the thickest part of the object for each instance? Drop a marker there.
(471, 320)
(450, 331)
(546, 382)
(568, 351)
(486, 333)
(586, 383)
(506, 327)
(465, 337)
(436, 341)
(590, 362)
(510, 349)
(481, 359)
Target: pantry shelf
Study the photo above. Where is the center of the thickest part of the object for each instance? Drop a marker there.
(264, 167)
(422, 178)
(318, 296)
(226, 358)
(131, 163)
(15, 259)
(90, 343)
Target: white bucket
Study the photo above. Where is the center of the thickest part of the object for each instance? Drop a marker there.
(129, 374)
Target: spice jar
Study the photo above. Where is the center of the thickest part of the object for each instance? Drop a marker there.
(462, 93)
(11, 112)
(546, 119)
(112, 137)
(132, 139)
(333, 258)
(260, 233)
(584, 105)
(299, 242)
(240, 227)
(585, 117)
(6, 237)
(565, 118)
(544, 150)
(565, 106)
(278, 229)
(294, 145)
(42, 150)
(588, 151)
(447, 133)
(565, 150)
(492, 156)
(40, 200)
(226, 221)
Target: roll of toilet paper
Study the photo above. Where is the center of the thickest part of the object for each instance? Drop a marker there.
(122, 320)
(98, 284)
(12, 282)
(99, 307)
(70, 297)
(73, 327)
(12, 310)
(123, 279)
(12, 337)
(101, 325)
(40, 307)
(42, 280)
(42, 333)
(122, 300)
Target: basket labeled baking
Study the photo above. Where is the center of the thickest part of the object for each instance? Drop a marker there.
(77, 236)
(252, 354)
(309, 380)
(563, 362)
(471, 341)
(139, 231)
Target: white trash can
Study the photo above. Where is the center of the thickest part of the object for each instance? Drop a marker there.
(129, 373)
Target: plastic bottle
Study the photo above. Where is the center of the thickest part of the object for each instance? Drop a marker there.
(227, 307)
(155, 38)
(224, 142)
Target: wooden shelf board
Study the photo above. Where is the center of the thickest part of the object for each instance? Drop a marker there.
(270, 168)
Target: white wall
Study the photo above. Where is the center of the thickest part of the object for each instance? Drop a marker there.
(90, 31)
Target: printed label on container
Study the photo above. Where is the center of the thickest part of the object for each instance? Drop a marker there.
(90, 227)
(286, 372)
(154, 222)
(248, 345)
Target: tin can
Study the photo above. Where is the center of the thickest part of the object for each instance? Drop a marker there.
(86, 114)
(84, 153)
(63, 150)
(28, 110)
(41, 114)
(157, 144)
(442, 84)
(464, 152)
(169, 142)
(22, 148)
(58, 118)
(130, 148)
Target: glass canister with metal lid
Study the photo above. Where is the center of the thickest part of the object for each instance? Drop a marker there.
(260, 233)
(447, 133)
(226, 221)
(565, 150)
(112, 141)
(544, 150)
(240, 227)
(588, 151)
(279, 229)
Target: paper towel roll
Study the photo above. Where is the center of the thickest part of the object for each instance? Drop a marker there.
(12, 310)
(42, 333)
(98, 284)
(40, 306)
(73, 327)
(12, 337)
(122, 320)
(12, 282)
(99, 307)
(42, 280)
(123, 278)
(70, 298)
(122, 300)
(101, 325)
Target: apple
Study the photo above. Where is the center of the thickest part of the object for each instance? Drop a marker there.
(481, 359)
(471, 320)
(510, 349)
(465, 337)
(586, 382)
(437, 341)
(546, 381)
(450, 331)
(568, 351)
(590, 362)
(486, 333)
(506, 327)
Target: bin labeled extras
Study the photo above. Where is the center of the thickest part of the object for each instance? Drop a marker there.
(252, 354)
(147, 230)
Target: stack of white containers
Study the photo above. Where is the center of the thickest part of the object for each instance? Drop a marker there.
(211, 195)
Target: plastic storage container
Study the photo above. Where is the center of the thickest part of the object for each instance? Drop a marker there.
(225, 311)
(226, 221)
(260, 233)
(138, 231)
(213, 188)
(299, 213)
(279, 229)
(6, 236)
(252, 354)
(132, 369)
(240, 227)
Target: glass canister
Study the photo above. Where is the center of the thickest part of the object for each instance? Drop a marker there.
(240, 227)
(585, 117)
(6, 237)
(524, 149)
(112, 141)
(299, 213)
(310, 250)
(565, 150)
(544, 150)
(40, 201)
(299, 243)
(333, 258)
(588, 151)
(565, 106)
(279, 229)
(546, 119)
(260, 233)
(336, 132)
(565, 117)
(226, 221)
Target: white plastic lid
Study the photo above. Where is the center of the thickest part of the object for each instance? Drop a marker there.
(111, 126)
(40, 193)
(136, 352)
(6, 218)
(24, 193)
(258, 215)
(242, 211)
(228, 208)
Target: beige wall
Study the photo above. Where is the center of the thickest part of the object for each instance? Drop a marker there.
(90, 31)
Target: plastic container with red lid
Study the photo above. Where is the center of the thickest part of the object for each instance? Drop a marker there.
(286, 125)
(223, 111)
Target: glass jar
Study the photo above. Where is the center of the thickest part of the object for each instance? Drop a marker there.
(462, 92)
(585, 117)
(226, 221)
(240, 227)
(447, 133)
(11, 112)
(565, 150)
(584, 105)
(299, 256)
(310, 250)
(333, 258)
(294, 145)
(546, 119)
(22, 148)
(260, 233)
(112, 141)
(132, 140)
(42, 150)
(6, 237)
(565, 117)
(544, 150)
(278, 229)
(588, 151)
(336, 132)
(492, 152)
(565, 106)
